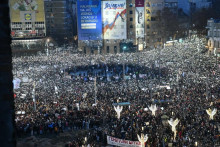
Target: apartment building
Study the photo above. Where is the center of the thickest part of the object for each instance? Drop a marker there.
(60, 18)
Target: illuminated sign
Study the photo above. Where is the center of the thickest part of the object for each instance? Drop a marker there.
(89, 19)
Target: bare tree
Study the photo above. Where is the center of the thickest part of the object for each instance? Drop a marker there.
(7, 121)
(169, 21)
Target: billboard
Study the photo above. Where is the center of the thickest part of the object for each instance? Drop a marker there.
(139, 16)
(114, 19)
(27, 10)
(89, 19)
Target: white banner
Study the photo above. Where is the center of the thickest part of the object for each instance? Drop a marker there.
(16, 83)
(122, 142)
(139, 12)
(114, 19)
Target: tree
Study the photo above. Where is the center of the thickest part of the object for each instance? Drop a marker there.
(216, 6)
(169, 23)
(199, 19)
(7, 119)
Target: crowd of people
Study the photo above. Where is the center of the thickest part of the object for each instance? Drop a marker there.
(179, 79)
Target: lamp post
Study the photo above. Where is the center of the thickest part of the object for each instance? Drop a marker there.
(95, 88)
(124, 48)
(33, 94)
(207, 91)
(159, 64)
(216, 59)
(98, 49)
(150, 87)
(47, 44)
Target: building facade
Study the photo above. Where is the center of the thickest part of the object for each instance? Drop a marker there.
(190, 6)
(142, 24)
(213, 26)
(140, 29)
(153, 27)
(27, 19)
(117, 30)
(60, 20)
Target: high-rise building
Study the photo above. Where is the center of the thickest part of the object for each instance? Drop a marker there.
(190, 6)
(172, 5)
(154, 36)
(27, 19)
(60, 20)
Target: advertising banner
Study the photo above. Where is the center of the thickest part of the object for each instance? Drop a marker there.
(89, 19)
(26, 10)
(114, 19)
(139, 16)
(122, 142)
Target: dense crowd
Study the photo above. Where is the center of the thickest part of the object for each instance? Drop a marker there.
(179, 79)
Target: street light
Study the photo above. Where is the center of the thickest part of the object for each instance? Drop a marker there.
(124, 48)
(95, 88)
(47, 44)
(33, 94)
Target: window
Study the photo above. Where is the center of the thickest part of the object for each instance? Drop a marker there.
(153, 18)
(131, 26)
(159, 39)
(130, 5)
(115, 49)
(131, 19)
(84, 50)
(159, 5)
(131, 12)
(148, 26)
(107, 50)
(148, 4)
(92, 51)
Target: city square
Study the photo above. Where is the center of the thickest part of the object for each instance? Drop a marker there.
(110, 73)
